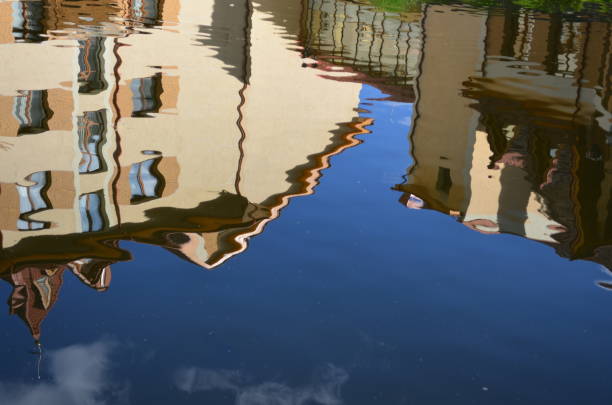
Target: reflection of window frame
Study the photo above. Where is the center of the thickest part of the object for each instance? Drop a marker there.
(92, 136)
(32, 199)
(31, 109)
(146, 181)
(146, 95)
(91, 66)
(93, 213)
(147, 11)
(28, 20)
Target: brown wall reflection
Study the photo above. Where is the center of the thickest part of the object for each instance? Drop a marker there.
(524, 143)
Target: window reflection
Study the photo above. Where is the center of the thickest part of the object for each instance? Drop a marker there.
(146, 11)
(31, 110)
(91, 65)
(91, 206)
(32, 198)
(146, 182)
(28, 21)
(92, 129)
(146, 93)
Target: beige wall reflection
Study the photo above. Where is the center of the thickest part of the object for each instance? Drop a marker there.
(512, 127)
(190, 134)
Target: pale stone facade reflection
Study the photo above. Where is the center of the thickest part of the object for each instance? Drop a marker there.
(523, 146)
(118, 140)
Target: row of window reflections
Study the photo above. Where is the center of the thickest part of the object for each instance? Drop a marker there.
(29, 18)
(146, 183)
(32, 111)
(523, 35)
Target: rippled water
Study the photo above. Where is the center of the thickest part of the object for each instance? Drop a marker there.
(404, 202)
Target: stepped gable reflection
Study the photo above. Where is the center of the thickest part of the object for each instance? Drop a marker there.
(524, 147)
(116, 141)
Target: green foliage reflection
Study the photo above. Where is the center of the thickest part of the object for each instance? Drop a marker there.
(551, 6)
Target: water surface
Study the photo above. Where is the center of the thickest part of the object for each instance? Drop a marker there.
(402, 202)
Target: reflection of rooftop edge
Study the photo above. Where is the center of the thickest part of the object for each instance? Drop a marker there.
(205, 218)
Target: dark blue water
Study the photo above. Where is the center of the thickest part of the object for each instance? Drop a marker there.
(347, 298)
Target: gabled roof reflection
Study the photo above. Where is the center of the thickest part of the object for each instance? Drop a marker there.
(163, 148)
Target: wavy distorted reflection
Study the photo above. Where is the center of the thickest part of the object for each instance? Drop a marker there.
(193, 149)
(524, 146)
(190, 125)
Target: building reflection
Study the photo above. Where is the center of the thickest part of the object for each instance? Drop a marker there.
(370, 46)
(524, 146)
(193, 148)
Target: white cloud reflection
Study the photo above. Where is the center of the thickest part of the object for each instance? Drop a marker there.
(325, 390)
(79, 376)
